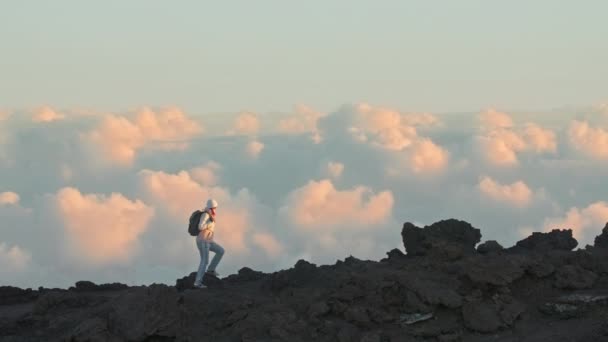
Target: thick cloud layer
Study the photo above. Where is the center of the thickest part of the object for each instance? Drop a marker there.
(107, 196)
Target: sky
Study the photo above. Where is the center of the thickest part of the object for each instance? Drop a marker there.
(320, 127)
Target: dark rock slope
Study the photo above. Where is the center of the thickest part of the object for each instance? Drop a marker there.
(443, 289)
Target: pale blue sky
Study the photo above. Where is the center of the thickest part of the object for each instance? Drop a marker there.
(223, 56)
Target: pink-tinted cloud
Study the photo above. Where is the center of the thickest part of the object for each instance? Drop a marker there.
(334, 169)
(102, 229)
(254, 148)
(540, 139)
(385, 127)
(501, 147)
(304, 120)
(319, 205)
(47, 114)
(517, 194)
(271, 246)
(586, 223)
(592, 141)
(9, 198)
(4, 114)
(426, 156)
(246, 123)
(492, 119)
(397, 132)
(13, 258)
(501, 142)
(121, 138)
(207, 174)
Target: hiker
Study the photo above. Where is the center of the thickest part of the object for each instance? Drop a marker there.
(205, 243)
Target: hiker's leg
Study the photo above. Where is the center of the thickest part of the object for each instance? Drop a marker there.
(203, 248)
(219, 253)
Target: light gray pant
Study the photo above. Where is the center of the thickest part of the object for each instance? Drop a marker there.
(204, 247)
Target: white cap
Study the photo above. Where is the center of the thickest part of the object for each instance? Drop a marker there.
(211, 203)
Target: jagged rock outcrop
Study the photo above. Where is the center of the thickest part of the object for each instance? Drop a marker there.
(557, 239)
(601, 241)
(534, 291)
(448, 239)
(488, 247)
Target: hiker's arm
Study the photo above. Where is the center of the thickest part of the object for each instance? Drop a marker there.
(205, 222)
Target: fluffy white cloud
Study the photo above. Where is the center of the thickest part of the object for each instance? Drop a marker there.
(246, 123)
(13, 258)
(206, 174)
(517, 194)
(334, 169)
(102, 229)
(540, 139)
(586, 223)
(304, 120)
(591, 141)
(394, 132)
(501, 142)
(385, 127)
(492, 119)
(121, 138)
(426, 156)
(254, 148)
(319, 205)
(9, 198)
(47, 114)
(271, 246)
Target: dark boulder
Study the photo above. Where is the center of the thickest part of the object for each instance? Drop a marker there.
(488, 247)
(13, 295)
(557, 239)
(84, 286)
(601, 241)
(448, 239)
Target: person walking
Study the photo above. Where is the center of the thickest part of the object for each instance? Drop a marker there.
(205, 243)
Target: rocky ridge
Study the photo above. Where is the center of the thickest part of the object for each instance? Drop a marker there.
(444, 289)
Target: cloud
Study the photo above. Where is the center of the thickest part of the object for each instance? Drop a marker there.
(385, 127)
(304, 120)
(319, 205)
(392, 131)
(501, 142)
(334, 169)
(102, 229)
(13, 258)
(121, 137)
(206, 174)
(426, 156)
(271, 246)
(586, 223)
(246, 123)
(9, 198)
(492, 119)
(502, 146)
(4, 114)
(254, 148)
(47, 114)
(591, 141)
(517, 194)
(540, 139)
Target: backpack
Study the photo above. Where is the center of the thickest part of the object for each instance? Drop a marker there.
(194, 221)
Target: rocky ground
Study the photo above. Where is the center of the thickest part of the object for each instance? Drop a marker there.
(444, 289)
